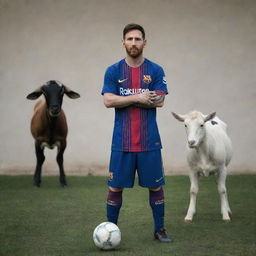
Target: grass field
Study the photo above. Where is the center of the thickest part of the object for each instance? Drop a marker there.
(53, 221)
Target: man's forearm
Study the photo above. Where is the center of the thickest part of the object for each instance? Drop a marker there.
(116, 101)
(147, 99)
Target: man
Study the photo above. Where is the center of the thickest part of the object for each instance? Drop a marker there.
(135, 87)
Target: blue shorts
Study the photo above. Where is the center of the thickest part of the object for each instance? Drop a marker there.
(123, 166)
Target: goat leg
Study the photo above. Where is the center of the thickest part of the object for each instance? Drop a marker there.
(194, 188)
(225, 209)
(59, 159)
(40, 159)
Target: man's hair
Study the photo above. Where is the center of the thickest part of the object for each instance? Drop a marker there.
(133, 26)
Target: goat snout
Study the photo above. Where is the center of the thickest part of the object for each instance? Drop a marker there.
(191, 143)
(54, 110)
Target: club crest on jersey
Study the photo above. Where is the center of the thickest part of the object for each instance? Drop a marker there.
(110, 176)
(147, 79)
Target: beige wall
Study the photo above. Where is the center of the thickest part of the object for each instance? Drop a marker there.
(207, 48)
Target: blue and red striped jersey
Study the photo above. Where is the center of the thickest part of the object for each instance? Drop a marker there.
(135, 128)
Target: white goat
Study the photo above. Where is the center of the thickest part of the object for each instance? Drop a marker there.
(209, 151)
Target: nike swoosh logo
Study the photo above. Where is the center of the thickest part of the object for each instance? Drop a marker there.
(159, 179)
(122, 80)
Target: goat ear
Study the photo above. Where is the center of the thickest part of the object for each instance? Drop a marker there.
(210, 116)
(35, 94)
(71, 94)
(179, 117)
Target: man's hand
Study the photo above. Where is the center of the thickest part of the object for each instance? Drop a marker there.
(158, 98)
(150, 99)
(146, 97)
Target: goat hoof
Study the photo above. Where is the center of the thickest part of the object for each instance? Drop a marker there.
(188, 220)
(227, 219)
(64, 185)
(63, 181)
(37, 183)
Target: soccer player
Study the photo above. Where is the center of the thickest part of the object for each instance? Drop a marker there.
(135, 87)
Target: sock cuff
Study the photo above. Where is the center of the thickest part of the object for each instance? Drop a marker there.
(156, 197)
(114, 198)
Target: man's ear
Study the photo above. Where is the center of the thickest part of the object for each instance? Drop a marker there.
(145, 43)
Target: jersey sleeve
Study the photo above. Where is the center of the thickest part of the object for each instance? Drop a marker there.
(160, 85)
(109, 85)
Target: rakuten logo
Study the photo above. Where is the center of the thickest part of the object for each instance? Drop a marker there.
(125, 92)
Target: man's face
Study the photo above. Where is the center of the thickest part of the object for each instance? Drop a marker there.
(134, 43)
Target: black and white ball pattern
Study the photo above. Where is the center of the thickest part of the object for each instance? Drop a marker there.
(107, 236)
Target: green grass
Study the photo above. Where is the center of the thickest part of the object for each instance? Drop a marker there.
(53, 221)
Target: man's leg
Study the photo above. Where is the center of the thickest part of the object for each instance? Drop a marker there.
(114, 203)
(156, 201)
(121, 175)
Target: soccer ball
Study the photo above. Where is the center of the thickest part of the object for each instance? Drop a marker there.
(107, 236)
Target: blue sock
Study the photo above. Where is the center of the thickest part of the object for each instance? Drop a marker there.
(114, 203)
(156, 200)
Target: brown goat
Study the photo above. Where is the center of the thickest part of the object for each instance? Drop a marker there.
(49, 126)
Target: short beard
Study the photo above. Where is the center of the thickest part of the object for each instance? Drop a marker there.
(134, 55)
